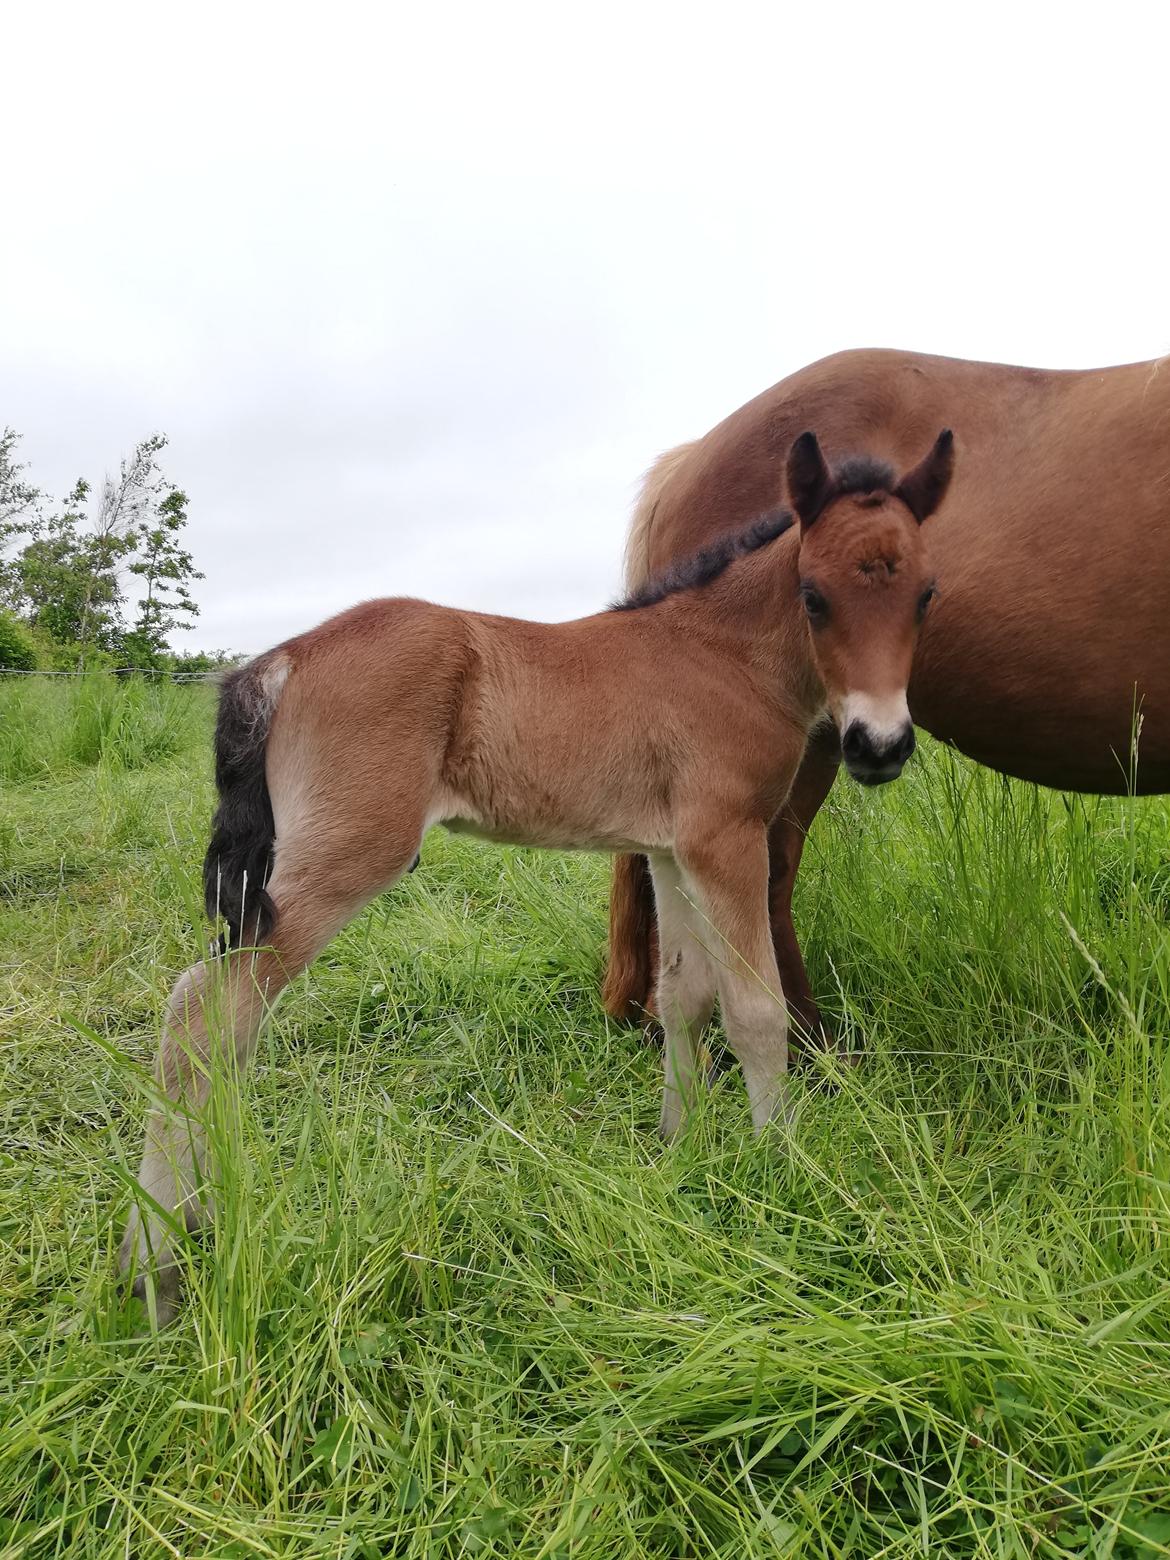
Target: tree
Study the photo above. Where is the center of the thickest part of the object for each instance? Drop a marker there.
(58, 581)
(19, 510)
(166, 569)
(121, 520)
(71, 576)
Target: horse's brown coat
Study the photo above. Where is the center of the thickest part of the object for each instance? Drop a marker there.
(1052, 623)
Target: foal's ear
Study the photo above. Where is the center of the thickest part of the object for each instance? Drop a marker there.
(923, 489)
(810, 483)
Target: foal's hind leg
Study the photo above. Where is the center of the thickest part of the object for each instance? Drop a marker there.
(728, 875)
(686, 991)
(323, 877)
(215, 1004)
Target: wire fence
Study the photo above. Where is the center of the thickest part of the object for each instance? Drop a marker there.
(150, 673)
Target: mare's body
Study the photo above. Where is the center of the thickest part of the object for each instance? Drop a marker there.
(1052, 623)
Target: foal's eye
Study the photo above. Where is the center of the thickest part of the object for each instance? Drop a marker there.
(924, 601)
(814, 604)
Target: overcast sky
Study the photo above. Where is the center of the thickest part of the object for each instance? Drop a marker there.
(418, 291)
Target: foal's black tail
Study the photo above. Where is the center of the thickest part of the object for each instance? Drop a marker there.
(239, 857)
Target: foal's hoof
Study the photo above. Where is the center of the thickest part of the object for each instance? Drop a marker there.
(152, 1277)
(160, 1293)
(162, 1300)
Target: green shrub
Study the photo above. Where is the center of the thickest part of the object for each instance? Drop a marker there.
(18, 651)
(191, 662)
(55, 656)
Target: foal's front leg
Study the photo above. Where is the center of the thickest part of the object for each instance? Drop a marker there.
(728, 875)
(786, 839)
(685, 994)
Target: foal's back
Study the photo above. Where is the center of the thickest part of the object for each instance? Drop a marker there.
(571, 735)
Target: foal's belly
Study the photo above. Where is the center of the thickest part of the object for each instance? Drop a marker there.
(547, 838)
(567, 828)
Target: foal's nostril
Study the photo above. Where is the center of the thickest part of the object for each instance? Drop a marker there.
(866, 753)
(904, 746)
(855, 743)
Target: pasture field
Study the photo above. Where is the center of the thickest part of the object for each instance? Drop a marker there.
(460, 1301)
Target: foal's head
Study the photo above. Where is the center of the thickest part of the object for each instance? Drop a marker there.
(866, 584)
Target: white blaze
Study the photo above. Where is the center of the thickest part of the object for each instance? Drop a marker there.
(884, 719)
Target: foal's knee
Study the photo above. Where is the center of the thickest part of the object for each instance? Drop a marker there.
(686, 987)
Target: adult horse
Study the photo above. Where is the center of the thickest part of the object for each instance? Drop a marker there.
(1049, 644)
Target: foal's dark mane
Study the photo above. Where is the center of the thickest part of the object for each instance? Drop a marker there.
(863, 474)
(856, 474)
(709, 563)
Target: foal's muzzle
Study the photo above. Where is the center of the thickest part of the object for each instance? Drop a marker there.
(874, 758)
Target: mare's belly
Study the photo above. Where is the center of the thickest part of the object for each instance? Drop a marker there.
(1048, 702)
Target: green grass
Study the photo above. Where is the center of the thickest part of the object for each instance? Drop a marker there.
(459, 1301)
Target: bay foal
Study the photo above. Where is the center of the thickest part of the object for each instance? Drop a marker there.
(672, 725)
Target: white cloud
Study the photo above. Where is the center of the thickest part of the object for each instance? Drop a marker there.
(418, 292)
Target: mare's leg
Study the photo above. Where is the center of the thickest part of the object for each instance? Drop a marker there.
(325, 872)
(686, 991)
(632, 954)
(728, 874)
(814, 780)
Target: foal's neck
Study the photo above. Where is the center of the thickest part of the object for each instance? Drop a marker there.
(754, 609)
